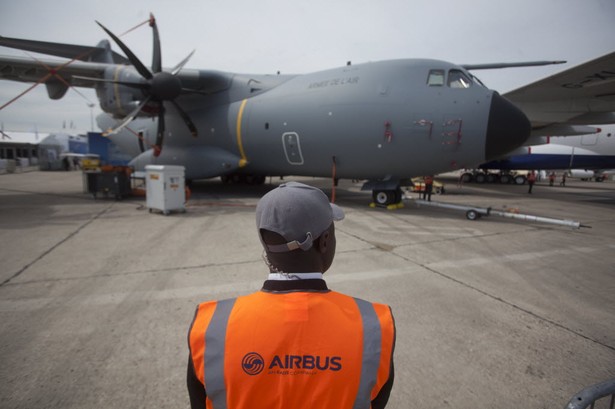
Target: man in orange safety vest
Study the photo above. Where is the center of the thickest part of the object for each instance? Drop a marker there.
(295, 343)
(428, 180)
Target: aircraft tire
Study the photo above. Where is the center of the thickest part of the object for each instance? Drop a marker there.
(384, 197)
(472, 215)
(520, 180)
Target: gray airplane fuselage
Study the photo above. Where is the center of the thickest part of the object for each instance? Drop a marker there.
(377, 121)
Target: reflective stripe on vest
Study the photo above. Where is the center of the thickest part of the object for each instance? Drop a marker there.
(215, 345)
(372, 338)
(215, 340)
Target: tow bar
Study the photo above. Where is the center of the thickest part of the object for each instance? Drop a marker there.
(474, 213)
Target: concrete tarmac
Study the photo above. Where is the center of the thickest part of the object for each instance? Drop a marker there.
(96, 296)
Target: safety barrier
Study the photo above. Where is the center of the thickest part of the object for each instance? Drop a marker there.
(587, 397)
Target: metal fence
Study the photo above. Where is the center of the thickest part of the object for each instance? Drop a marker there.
(588, 397)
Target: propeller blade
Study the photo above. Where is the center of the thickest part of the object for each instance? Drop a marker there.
(142, 69)
(128, 119)
(183, 62)
(157, 57)
(186, 119)
(160, 133)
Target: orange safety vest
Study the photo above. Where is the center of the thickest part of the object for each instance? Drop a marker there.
(292, 350)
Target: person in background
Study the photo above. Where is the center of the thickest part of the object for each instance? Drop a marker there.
(428, 180)
(531, 179)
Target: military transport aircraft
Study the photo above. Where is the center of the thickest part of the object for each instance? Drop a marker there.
(383, 122)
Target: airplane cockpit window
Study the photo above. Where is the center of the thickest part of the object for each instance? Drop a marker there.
(477, 81)
(435, 78)
(457, 79)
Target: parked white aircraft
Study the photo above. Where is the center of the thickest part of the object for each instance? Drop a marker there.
(593, 151)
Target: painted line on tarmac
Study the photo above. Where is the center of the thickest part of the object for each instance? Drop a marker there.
(201, 293)
(58, 244)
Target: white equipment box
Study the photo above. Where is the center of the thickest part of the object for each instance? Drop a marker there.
(165, 188)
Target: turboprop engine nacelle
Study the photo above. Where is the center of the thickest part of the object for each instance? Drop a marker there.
(115, 98)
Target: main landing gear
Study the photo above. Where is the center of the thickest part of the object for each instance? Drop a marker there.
(387, 198)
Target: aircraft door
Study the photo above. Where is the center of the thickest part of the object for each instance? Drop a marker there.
(292, 148)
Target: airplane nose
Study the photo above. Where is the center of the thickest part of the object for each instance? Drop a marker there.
(508, 127)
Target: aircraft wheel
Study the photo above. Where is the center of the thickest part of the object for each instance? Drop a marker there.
(472, 215)
(520, 180)
(384, 197)
(466, 177)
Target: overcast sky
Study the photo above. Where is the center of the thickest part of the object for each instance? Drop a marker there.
(302, 36)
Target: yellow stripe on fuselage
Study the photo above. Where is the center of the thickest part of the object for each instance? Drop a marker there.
(244, 161)
(116, 91)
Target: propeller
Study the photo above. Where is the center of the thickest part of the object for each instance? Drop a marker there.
(159, 87)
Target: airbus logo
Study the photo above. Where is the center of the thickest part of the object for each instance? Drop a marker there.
(252, 363)
(321, 363)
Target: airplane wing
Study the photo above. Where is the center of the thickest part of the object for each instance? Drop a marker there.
(82, 74)
(84, 66)
(26, 69)
(70, 51)
(582, 95)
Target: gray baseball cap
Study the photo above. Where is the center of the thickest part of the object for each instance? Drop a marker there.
(298, 212)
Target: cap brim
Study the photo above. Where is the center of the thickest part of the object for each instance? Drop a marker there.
(338, 213)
